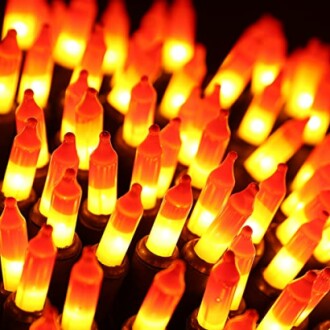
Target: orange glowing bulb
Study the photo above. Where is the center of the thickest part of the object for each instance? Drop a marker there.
(64, 207)
(190, 131)
(318, 157)
(40, 257)
(245, 252)
(116, 33)
(22, 164)
(25, 18)
(140, 114)
(92, 59)
(120, 228)
(171, 218)
(182, 82)
(219, 292)
(65, 156)
(214, 195)
(261, 114)
(146, 166)
(213, 144)
(321, 287)
(288, 306)
(297, 199)
(48, 321)
(73, 95)
(247, 321)
(227, 224)
(287, 228)
(267, 202)
(171, 143)
(179, 41)
(10, 63)
(38, 68)
(76, 25)
(89, 124)
(27, 109)
(311, 63)
(233, 75)
(12, 229)
(102, 177)
(278, 148)
(291, 258)
(83, 292)
(162, 298)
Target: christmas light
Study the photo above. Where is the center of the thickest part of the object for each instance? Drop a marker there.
(267, 202)
(219, 292)
(245, 252)
(146, 166)
(140, 114)
(89, 124)
(227, 224)
(12, 229)
(40, 257)
(38, 68)
(290, 259)
(22, 164)
(83, 292)
(63, 157)
(247, 320)
(171, 143)
(214, 195)
(162, 298)
(27, 109)
(64, 207)
(213, 144)
(171, 218)
(10, 63)
(73, 95)
(102, 177)
(278, 148)
(120, 228)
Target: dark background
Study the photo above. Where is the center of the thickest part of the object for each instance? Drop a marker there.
(220, 23)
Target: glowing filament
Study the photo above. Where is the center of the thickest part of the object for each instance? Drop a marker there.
(22, 164)
(89, 124)
(219, 292)
(227, 224)
(162, 298)
(120, 228)
(214, 195)
(268, 200)
(146, 166)
(290, 259)
(171, 218)
(64, 209)
(140, 114)
(83, 292)
(65, 156)
(171, 143)
(12, 229)
(40, 257)
(278, 148)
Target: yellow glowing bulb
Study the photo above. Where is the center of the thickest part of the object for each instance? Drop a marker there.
(321, 252)
(305, 100)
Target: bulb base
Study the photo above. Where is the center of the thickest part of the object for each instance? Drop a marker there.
(128, 324)
(35, 220)
(14, 318)
(192, 323)
(90, 226)
(186, 236)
